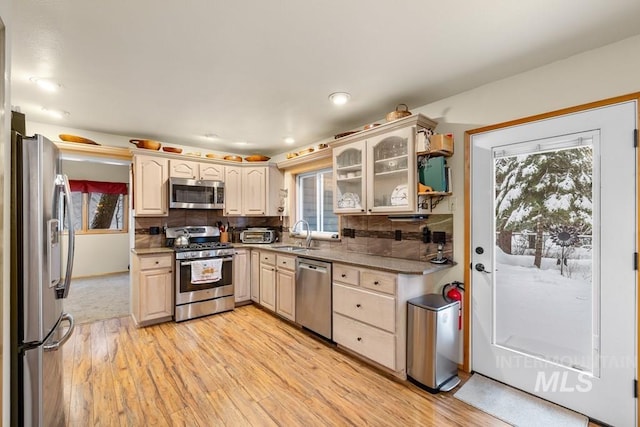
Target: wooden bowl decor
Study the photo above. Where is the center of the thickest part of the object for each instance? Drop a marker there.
(147, 144)
(305, 151)
(213, 156)
(78, 139)
(233, 158)
(371, 126)
(343, 134)
(256, 158)
(291, 155)
(398, 113)
(172, 149)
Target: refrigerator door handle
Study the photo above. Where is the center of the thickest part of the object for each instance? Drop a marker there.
(57, 344)
(63, 290)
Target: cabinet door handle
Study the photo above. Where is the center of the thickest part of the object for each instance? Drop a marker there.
(376, 283)
(358, 305)
(359, 339)
(343, 275)
(157, 262)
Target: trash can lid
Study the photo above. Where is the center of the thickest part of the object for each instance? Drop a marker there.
(434, 302)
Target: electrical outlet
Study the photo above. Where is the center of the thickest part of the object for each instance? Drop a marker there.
(452, 203)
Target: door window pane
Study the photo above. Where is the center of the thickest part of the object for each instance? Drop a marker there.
(545, 296)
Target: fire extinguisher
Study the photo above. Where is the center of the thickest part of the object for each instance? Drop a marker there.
(452, 292)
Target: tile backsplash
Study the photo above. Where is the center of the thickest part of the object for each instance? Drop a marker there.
(377, 235)
(373, 235)
(182, 217)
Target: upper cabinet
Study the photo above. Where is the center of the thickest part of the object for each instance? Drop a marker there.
(150, 180)
(253, 190)
(375, 171)
(349, 171)
(195, 170)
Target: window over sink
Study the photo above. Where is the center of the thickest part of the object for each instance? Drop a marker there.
(315, 201)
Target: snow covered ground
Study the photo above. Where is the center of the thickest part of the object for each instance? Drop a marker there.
(542, 313)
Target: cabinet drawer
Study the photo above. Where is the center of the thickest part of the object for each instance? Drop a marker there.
(378, 281)
(268, 258)
(345, 274)
(374, 309)
(156, 261)
(370, 342)
(284, 261)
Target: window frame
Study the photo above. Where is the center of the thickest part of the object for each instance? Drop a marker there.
(85, 217)
(318, 173)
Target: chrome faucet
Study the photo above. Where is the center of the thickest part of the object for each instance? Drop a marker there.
(308, 239)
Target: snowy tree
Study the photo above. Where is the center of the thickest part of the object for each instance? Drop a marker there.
(536, 190)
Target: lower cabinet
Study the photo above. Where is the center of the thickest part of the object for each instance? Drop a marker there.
(241, 276)
(277, 284)
(255, 276)
(286, 287)
(152, 288)
(268, 280)
(369, 313)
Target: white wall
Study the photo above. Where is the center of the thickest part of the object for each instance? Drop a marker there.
(591, 76)
(98, 254)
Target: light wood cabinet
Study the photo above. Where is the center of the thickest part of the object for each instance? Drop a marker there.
(152, 288)
(195, 170)
(374, 171)
(268, 280)
(370, 315)
(253, 190)
(277, 284)
(150, 186)
(233, 190)
(377, 175)
(255, 276)
(241, 275)
(286, 286)
(254, 194)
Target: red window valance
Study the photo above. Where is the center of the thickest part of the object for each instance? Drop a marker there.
(83, 186)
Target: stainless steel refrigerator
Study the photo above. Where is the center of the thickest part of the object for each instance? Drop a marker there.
(39, 194)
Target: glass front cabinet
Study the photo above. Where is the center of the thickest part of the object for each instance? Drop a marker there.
(377, 175)
(349, 173)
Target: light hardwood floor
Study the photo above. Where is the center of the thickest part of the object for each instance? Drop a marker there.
(240, 368)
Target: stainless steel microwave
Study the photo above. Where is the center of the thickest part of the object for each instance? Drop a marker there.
(196, 194)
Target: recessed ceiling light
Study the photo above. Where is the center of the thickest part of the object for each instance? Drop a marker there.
(241, 143)
(58, 114)
(289, 140)
(46, 84)
(339, 98)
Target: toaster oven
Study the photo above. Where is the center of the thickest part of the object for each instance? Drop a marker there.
(258, 235)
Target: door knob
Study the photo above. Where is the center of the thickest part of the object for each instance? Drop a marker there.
(480, 267)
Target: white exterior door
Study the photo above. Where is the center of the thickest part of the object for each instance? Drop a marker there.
(553, 235)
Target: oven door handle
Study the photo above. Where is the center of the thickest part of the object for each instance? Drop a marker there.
(183, 263)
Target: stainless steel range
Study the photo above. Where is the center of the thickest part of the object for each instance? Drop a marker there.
(204, 272)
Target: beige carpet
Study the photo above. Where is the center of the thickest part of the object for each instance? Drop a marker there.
(98, 298)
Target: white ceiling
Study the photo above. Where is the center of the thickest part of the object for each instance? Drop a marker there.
(258, 71)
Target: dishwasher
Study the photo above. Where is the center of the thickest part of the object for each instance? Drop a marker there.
(313, 296)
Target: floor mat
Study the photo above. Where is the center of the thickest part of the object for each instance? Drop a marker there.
(514, 406)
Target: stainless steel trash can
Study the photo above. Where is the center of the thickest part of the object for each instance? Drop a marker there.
(433, 342)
